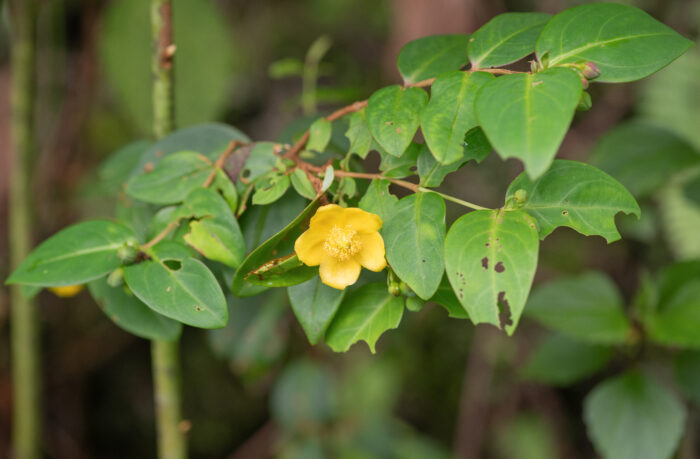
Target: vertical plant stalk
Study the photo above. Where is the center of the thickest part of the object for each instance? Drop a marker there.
(172, 443)
(26, 366)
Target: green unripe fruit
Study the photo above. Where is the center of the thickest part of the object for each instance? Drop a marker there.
(520, 196)
(128, 252)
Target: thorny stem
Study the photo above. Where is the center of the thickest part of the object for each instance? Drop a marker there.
(410, 186)
(293, 152)
(172, 443)
(25, 336)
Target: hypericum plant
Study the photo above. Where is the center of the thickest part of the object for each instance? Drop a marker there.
(205, 210)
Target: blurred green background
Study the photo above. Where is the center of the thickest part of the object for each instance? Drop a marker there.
(437, 387)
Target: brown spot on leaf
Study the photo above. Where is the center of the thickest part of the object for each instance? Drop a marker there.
(565, 212)
(499, 268)
(485, 263)
(504, 314)
(148, 167)
(198, 308)
(398, 130)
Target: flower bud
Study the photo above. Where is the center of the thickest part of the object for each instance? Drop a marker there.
(116, 278)
(394, 288)
(590, 70)
(585, 102)
(128, 252)
(520, 196)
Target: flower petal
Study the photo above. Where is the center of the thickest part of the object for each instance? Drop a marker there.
(327, 215)
(371, 255)
(309, 246)
(361, 221)
(339, 274)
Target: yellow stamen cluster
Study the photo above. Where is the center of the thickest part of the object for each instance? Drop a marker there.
(342, 243)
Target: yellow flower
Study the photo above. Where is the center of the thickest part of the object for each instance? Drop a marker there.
(67, 291)
(341, 240)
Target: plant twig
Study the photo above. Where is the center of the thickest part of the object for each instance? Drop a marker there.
(408, 185)
(25, 330)
(162, 235)
(172, 442)
(220, 162)
(293, 153)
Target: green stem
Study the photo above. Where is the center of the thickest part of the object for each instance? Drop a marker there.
(26, 369)
(172, 443)
(447, 197)
(166, 383)
(310, 73)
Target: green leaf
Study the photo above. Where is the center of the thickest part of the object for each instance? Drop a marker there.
(393, 116)
(269, 189)
(506, 38)
(178, 287)
(364, 315)
(445, 297)
(378, 200)
(259, 223)
(414, 238)
(130, 314)
(257, 338)
(319, 135)
(225, 186)
(643, 156)
(576, 195)
(216, 234)
(431, 172)
(282, 272)
(676, 320)
(430, 56)
(526, 115)
(358, 134)
(406, 165)
(490, 259)
(117, 168)
(632, 417)
(476, 145)
(686, 370)
(302, 184)
(624, 42)
(450, 113)
(315, 305)
(680, 217)
(266, 251)
(560, 361)
(75, 255)
(262, 160)
(587, 307)
(692, 190)
(172, 179)
(208, 139)
(304, 397)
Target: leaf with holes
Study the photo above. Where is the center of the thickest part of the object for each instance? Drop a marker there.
(450, 113)
(526, 115)
(506, 38)
(587, 307)
(282, 272)
(364, 315)
(414, 238)
(631, 416)
(624, 42)
(130, 314)
(428, 57)
(576, 195)
(74, 255)
(266, 251)
(393, 116)
(315, 305)
(262, 160)
(216, 233)
(172, 179)
(490, 259)
(178, 286)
